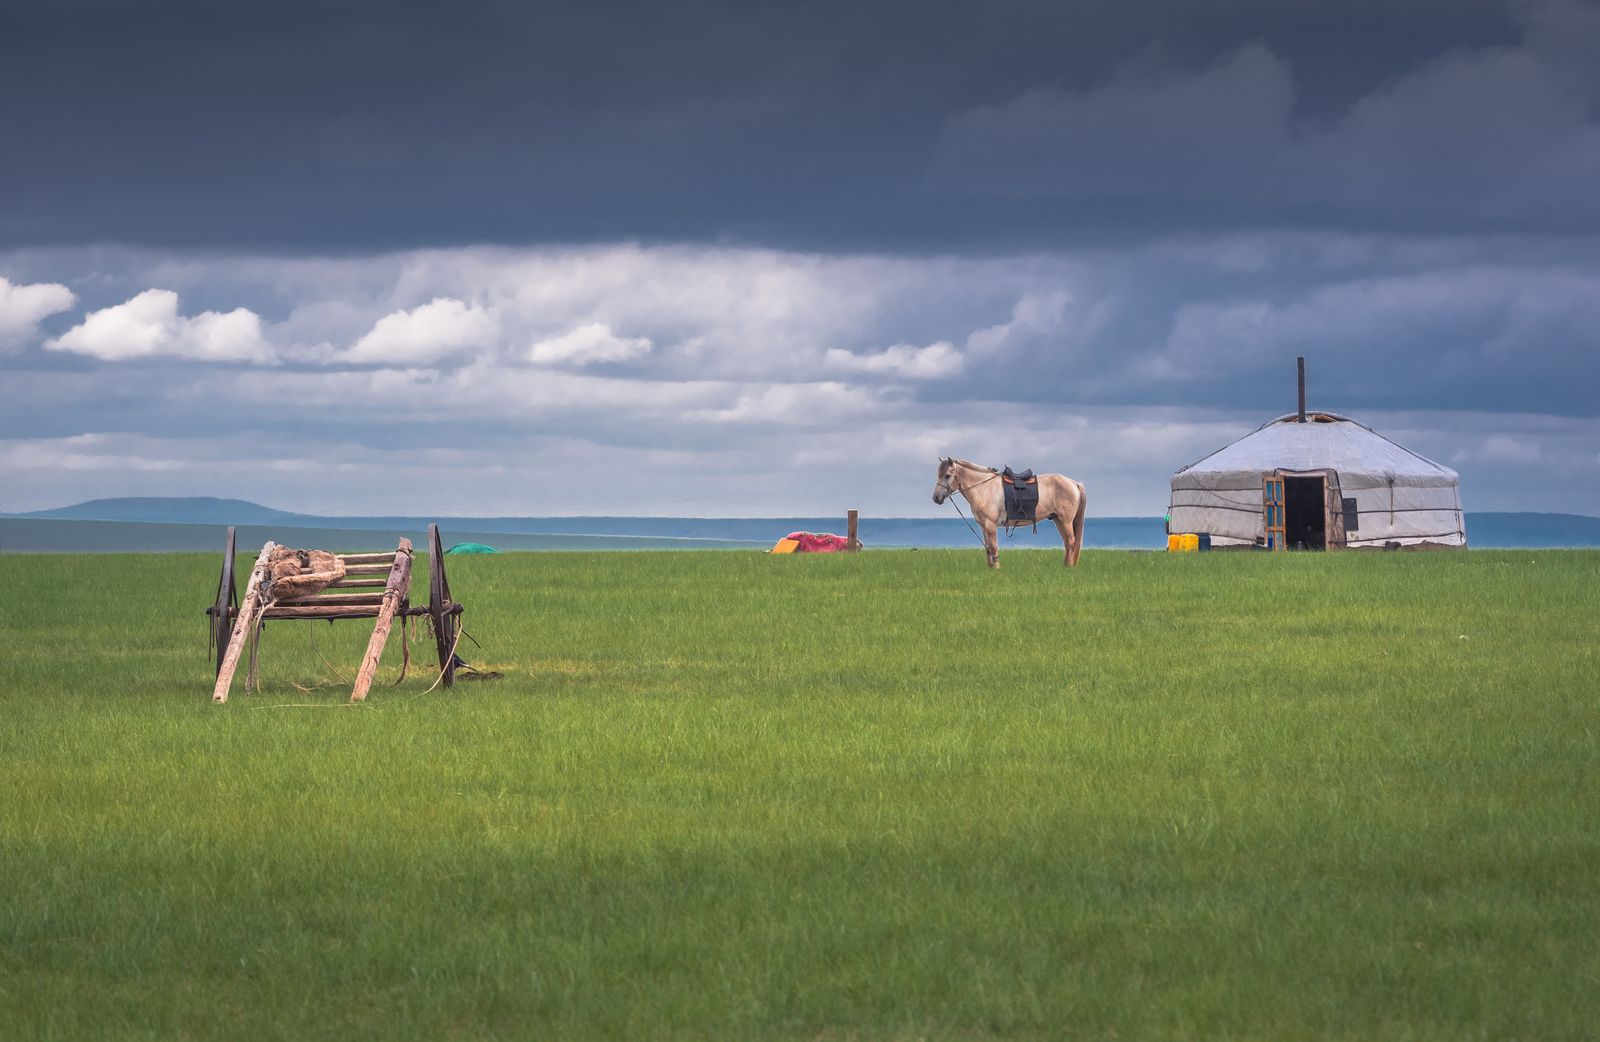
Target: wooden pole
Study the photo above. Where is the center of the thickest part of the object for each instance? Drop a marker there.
(394, 592)
(242, 625)
(852, 521)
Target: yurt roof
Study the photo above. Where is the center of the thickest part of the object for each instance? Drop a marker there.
(1326, 441)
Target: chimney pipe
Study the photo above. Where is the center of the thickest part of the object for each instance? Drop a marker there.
(1301, 361)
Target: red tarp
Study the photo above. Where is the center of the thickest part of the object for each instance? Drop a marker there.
(819, 542)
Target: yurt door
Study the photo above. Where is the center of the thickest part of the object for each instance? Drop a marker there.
(1305, 513)
(1272, 511)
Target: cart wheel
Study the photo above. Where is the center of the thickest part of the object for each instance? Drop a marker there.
(226, 605)
(440, 608)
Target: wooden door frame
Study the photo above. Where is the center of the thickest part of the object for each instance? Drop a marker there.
(1267, 503)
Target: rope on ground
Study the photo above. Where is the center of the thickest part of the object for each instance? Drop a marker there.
(448, 659)
(405, 648)
(346, 681)
(252, 677)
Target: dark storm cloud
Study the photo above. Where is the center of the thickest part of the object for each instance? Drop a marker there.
(1495, 324)
(354, 126)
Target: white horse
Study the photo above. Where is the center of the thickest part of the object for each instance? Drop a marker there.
(1060, 498)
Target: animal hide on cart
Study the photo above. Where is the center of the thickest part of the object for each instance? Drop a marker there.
(301, 573)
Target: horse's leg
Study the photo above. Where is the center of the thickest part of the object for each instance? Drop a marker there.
(991, 542)
(1065, 528)
(1077, 523)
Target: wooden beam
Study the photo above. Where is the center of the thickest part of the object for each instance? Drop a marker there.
(332, 611)
(367, 569)
(394, 592)
(248, 610)
(352, 584)
(337, 598)
(386, 558)
(852, 521)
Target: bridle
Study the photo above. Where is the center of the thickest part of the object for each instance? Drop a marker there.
(948, 483)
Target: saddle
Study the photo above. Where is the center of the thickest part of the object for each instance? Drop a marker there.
(1022, 494)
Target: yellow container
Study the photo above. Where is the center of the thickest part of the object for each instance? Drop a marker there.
(1183, 542)
(1172, 543)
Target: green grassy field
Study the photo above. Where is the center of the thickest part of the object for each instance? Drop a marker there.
(882, 796)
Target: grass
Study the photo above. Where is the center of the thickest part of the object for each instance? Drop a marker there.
(883, 796)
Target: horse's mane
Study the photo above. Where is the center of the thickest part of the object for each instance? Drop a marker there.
(974, 466)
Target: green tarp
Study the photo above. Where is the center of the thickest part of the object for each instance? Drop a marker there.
(471, 548)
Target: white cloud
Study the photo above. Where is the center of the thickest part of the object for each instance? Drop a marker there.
(149, 325)
(23, 307)
(1509, 448)
(933, 362)
(442, 328)
(817, 405)
(1034, 314)
(91, 453)
(1113, 364)
(716, 312)
(722, 313)
(594, 342)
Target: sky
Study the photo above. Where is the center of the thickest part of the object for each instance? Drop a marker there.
(743, 259)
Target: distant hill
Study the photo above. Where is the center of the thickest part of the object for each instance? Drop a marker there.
(191, 510)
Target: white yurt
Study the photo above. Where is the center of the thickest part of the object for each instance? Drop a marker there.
(1317, 481)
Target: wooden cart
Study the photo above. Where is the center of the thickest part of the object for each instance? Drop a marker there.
(384, 579)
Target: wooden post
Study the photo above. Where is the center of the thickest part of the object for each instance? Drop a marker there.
(394, 592)
(242, 625)
(852, 520)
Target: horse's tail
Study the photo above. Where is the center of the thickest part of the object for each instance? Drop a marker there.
(1077, 525)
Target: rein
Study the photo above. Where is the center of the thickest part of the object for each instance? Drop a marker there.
(950, 497)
